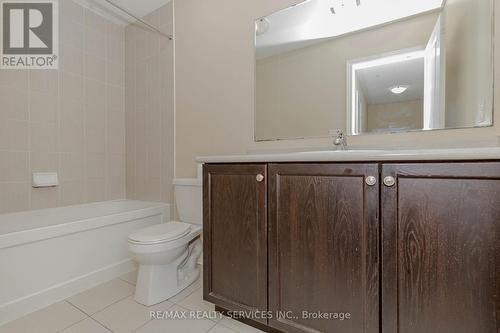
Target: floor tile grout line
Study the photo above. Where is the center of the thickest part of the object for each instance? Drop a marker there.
(101, 324)
(73, 324)
(74, 305)
(151, 319)
(91, 315)
(229, 328)
(190, 293)
(79, 321)
(215, 324)
(185, 309)
(107, 306)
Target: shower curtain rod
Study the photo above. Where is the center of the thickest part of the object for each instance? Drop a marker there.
(170, 37)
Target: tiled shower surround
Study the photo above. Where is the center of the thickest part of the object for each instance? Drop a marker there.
(72, 120)
(149, 105)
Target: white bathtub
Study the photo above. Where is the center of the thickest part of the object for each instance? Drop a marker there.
(51, 254)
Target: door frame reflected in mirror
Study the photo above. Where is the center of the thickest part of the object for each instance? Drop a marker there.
(353, 119)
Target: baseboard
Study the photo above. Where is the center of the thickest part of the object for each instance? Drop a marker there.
(31, 303)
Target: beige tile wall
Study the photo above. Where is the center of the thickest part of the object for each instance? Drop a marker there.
(70, 120)
(149, 72)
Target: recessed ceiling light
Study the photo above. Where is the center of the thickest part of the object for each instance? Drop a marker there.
(398, 90)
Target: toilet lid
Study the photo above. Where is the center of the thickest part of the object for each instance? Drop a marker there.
(161, 232)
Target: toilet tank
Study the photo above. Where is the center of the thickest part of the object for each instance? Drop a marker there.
(188, 198)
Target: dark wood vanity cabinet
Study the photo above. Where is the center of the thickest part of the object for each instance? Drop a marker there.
(441, 248)
(323, 246)
(403, 248)
(235, 237)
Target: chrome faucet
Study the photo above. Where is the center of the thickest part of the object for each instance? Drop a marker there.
(340, 140)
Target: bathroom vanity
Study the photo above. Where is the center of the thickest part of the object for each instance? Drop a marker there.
(373, 241)
(366, 240)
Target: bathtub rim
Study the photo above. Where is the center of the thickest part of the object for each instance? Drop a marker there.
(22, 237)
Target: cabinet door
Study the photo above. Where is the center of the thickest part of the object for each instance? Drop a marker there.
(441, 248)
(235, 236)
(324, 247)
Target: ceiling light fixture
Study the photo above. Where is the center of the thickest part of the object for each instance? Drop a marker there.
(398, 90)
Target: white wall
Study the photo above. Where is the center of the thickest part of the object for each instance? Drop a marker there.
(468, 61)
(215, 59)
(215, 77)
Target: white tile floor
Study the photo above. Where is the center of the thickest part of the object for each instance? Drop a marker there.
(110, 307)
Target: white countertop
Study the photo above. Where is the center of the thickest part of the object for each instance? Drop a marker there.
(362, 155)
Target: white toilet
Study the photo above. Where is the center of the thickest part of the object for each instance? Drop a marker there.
(168, 253)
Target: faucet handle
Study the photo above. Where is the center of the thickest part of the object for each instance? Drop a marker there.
(340, 139)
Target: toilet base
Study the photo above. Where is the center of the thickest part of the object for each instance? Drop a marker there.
(157, 283)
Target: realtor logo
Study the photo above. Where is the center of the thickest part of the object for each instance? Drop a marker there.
(29, 33)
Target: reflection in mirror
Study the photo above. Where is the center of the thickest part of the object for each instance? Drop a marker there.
(411, 65)
(387, 93)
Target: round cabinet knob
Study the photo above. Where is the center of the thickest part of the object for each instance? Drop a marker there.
(389, 181)
(371, 180)
(259, 177)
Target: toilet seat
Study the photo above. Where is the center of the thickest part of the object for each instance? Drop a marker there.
(160, 233)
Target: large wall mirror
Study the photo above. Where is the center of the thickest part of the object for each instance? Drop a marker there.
(374, 66)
